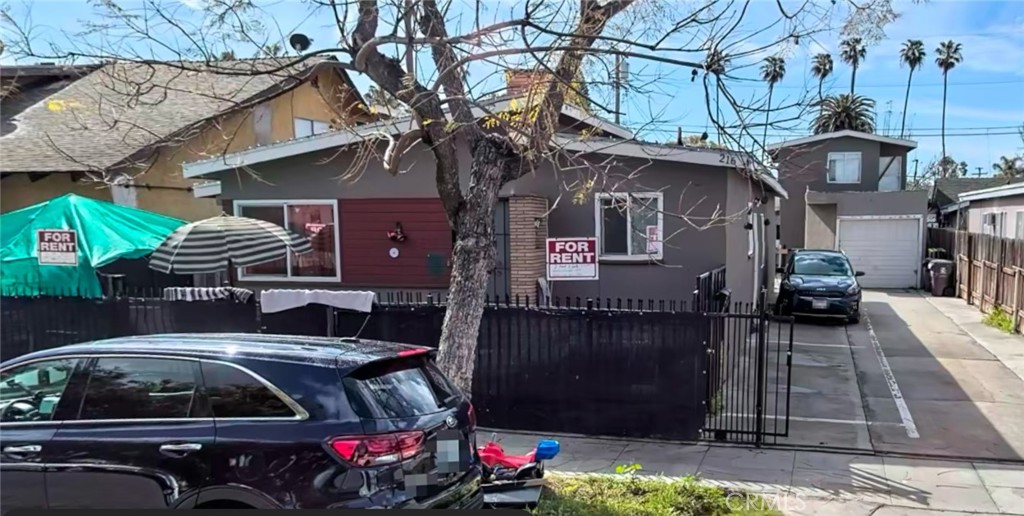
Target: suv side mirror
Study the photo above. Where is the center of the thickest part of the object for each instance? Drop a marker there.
(858, 273)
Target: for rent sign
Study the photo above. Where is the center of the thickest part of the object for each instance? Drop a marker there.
(57, 247)
(572, 259)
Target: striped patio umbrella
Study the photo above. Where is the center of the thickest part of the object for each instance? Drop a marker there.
(217, 243)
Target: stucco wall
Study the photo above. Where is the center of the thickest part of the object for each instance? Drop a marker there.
(910, 202)
(1008, 205)
(18, 191)
(699, 192)
(739, 273)
(230, 133)
(820, 230)
(805, 167)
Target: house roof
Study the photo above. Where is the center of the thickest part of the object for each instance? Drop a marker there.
(123, 108)
(622, 146)
(910, 144)
(679, 153)
(1006, 190)
(334, 139)
(946, 191)
(23, 86)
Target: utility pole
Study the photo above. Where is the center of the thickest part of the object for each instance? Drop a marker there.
(915, 171)
(979, 171)
(620, 77)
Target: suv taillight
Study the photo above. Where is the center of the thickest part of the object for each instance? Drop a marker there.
(472, 418)
(378, 450)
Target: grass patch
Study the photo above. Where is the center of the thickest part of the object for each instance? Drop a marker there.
(999, 320)
(629, 495)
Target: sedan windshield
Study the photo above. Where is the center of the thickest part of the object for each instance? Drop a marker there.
(821, 265)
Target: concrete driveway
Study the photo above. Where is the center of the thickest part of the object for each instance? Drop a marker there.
(906, 379)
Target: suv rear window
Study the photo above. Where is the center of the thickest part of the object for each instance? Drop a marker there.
(399, 388)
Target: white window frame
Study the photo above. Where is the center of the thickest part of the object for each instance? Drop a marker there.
(599, 220)
(283, 203)
(895, 170)
(325, 126)
(837, 156)
(1018, 230)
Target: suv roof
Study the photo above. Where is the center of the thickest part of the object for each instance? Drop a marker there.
(322, 351)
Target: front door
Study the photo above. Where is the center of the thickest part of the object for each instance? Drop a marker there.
(140, 440)
(29, 395)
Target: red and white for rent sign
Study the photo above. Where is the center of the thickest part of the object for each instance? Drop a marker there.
(57, 247)
(572, 258)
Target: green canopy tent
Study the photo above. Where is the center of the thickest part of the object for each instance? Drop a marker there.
(104, 232)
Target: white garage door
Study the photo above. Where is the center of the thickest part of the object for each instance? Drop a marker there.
(888, 251)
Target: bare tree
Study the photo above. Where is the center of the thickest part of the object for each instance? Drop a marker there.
(417, 53)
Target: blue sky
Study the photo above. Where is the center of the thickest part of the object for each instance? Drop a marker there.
(986, 93)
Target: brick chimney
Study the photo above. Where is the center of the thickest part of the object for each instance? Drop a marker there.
(519, 81)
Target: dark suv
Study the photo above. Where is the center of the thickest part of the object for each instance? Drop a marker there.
(820, 283)
(234, 421)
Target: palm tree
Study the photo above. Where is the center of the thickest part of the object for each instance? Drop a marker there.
(821, 68)
(947, 57)
(844, 111)
(1009, 167)
(716, 63)
(853, 51)
(772, 71)
(912, 54)
(228, 55)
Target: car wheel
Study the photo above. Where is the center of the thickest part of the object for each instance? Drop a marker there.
(854, 319)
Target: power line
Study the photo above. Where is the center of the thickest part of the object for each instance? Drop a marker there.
(948, 135)
(1015, 128)
(901, 86)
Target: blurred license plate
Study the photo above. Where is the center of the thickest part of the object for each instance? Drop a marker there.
(819, 304)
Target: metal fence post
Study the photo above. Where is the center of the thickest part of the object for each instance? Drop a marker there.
(762, 353)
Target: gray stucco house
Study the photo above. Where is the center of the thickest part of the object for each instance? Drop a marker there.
(946, 209)
(662, 214)
(997, 210)
(848, 192)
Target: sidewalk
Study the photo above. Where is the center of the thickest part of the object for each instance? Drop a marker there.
(1009, 349)
(824, 483)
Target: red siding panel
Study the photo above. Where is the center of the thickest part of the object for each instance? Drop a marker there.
(424, 256)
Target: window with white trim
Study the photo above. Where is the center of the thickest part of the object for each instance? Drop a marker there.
(629, 225)
(306, 127)
(993, 223)
(316, 220)
(844, 167)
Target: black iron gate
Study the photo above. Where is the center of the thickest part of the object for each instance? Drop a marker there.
(749, 374)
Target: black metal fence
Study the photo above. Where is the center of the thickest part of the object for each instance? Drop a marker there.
(33, 323)
(616, 367)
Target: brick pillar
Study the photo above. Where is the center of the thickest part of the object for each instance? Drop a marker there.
(528, 227)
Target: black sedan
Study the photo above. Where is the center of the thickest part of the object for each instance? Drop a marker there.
(820, 283)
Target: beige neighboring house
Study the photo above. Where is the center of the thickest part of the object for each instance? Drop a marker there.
(995, 211)
(120, 132)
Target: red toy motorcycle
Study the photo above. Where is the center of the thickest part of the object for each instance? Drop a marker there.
(499, 466)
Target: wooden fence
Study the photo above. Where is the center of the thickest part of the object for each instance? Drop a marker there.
(989, 270)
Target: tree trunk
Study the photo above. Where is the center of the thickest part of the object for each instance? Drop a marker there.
(945, 84)
(821, 80)
(906, 100)
(472, 262)
(853, 78)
